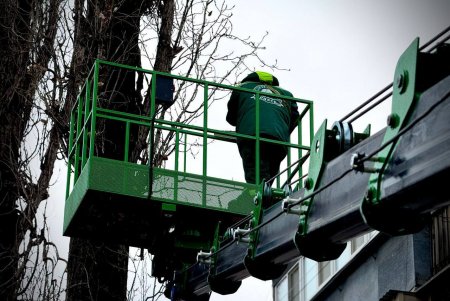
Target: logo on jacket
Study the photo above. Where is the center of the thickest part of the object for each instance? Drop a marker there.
(267, 99)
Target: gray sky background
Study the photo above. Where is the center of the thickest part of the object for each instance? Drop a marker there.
(339, 52)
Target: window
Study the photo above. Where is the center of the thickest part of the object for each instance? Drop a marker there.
(309, 282)
(440, 232)
(303, 281)
(325, 271)
(294, 285)
(357, 243)
(360, 241)
(282, 290)
(288, 289)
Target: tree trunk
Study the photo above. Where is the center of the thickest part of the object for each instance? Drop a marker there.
(12, 63)
(98, 270)
(20, 74)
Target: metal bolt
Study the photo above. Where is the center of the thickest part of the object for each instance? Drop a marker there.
(308, 183)
(301, 226)
(393, 120)
(371, 194)
(400, 81)
(317, 146)
(367, 196)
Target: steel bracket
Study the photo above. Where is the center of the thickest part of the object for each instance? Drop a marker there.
(316, 164)
(403, 101)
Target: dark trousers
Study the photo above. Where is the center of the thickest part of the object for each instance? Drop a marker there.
(271, 156)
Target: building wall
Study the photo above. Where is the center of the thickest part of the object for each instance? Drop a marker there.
(383, 264)
(401, 263)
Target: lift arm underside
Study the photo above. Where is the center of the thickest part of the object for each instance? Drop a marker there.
(411, 188)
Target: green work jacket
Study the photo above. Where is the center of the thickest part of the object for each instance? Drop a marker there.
(278, 117)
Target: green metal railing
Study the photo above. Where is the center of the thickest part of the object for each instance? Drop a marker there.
(86, 113)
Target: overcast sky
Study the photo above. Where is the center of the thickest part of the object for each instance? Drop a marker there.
(339, 53)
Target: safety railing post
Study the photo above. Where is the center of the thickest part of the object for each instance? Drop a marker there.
(289, 159)
(152, 98)
(185, 152)
(311, 124)
(257, 142)
(69, 155)
(87, 110)
(94, 108)
(205, 140)
(127, 142)
(151, 137)
(177, 148)
(78, 137)
(300, 142)
(177, 155)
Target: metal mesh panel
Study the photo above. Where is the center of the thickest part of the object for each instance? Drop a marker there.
(76, 196)
(163, 186)
(119, 177)
(206, 192)
(132, 179)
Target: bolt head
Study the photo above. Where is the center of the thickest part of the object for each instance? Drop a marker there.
(371, 194)
(400, 81)
(308, 183)
(393, 120)
(256, 200)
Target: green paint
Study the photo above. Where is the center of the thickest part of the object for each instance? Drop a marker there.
(402, 101)
(173, 189)
(316, 164)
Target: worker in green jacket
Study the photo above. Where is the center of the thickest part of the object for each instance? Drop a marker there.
(278, 118)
